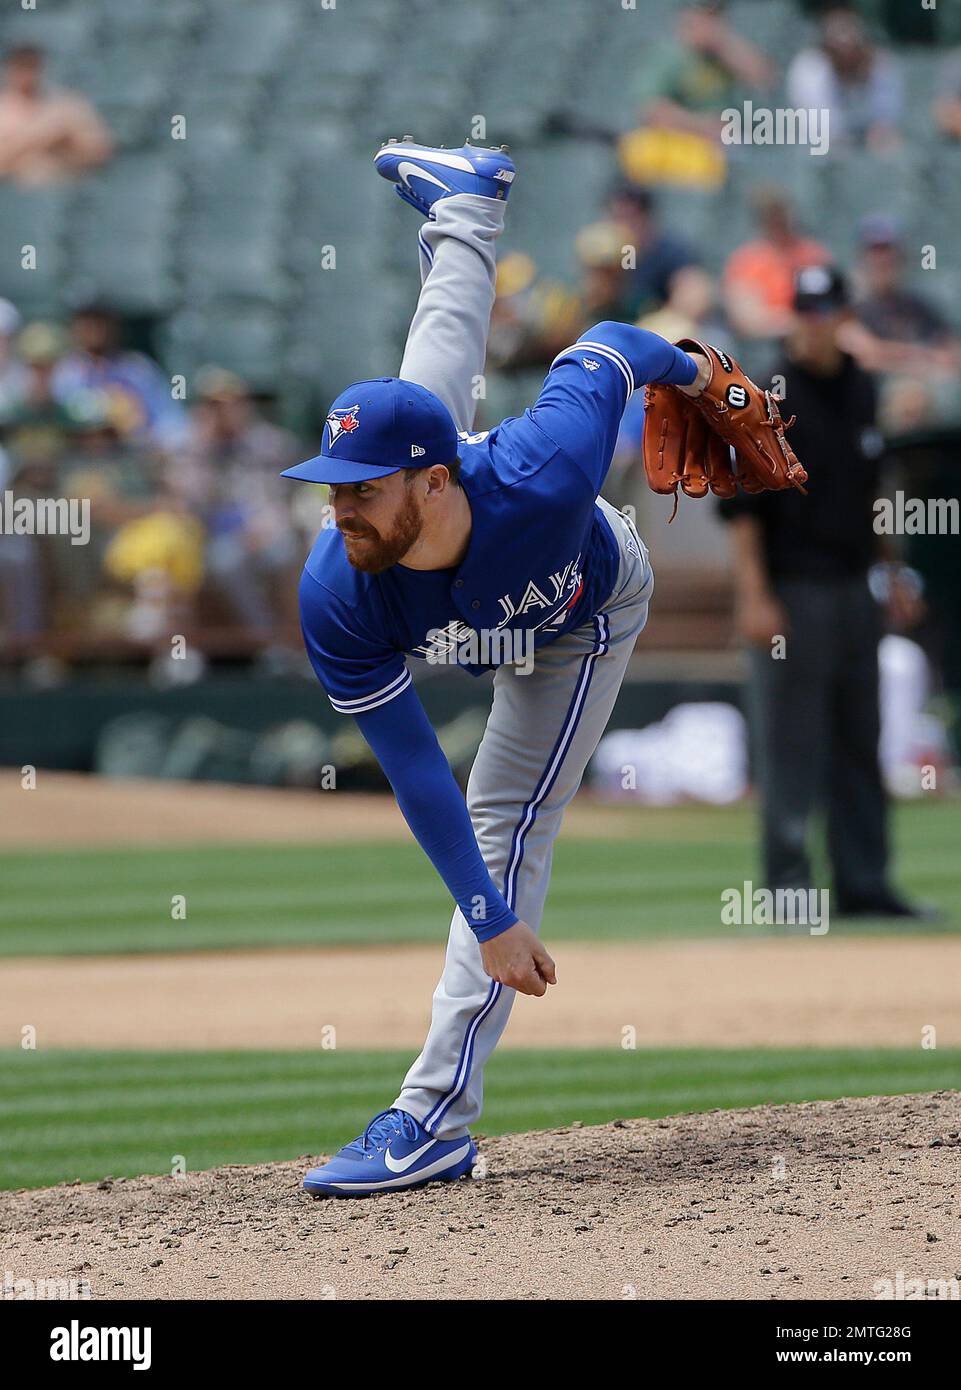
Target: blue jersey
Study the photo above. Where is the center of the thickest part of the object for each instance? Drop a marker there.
(541, 559)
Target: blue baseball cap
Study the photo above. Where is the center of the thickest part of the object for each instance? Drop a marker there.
(378, 427)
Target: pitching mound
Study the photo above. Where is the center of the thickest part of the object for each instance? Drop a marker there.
(806, 1201)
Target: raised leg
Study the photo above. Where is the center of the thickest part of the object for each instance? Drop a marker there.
(447, 343)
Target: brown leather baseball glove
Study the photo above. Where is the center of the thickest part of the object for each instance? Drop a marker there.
(691, 441)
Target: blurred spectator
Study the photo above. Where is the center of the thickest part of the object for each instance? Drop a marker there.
(228, 475)
(23, 609)
(687, 81)
(759, 276)
(947, 107)
(45, 135)
(141, 570)
(857, 82)
(605, 286)
(657, 253)
(908, 404)
(32, 431)
(33, 424)
(533, 317)
(160, 557)
(13, 375)
(895, 330)
(143, 408)
(687, 311)
(801, 567)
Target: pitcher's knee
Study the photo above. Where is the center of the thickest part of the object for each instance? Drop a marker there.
(495, 823)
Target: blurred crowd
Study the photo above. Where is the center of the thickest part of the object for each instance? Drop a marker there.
(635, 269)
(635, 266)
(192, 528)
(190, 521)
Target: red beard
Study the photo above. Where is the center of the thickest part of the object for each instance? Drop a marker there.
(369, 551)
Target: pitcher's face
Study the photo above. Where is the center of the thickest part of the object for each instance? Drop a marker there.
(379, 520)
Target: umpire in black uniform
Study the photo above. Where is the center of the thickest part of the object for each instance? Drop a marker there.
(801, 574)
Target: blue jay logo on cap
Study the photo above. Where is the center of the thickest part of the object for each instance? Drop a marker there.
(342, 422)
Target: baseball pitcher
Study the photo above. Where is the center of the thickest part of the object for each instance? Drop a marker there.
(493, 550)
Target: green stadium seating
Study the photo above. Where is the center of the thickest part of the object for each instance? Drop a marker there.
(246, 338)
(61, 31)
(566, 183)
(144, 18)
(220, 234)
(245, 38)
(774, 25)
(121, 235)
(129, 94)
(33, 218)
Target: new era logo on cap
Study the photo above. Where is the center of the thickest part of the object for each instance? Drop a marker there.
(416, 452)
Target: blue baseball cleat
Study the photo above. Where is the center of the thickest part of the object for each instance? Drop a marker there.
(423, 174)
(394, 1151)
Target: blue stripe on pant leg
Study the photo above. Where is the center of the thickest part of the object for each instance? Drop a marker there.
(528, 816)
(466, 1056)
(556, 759)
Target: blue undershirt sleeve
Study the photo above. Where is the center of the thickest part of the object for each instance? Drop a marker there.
(433, 805)
(368, 678)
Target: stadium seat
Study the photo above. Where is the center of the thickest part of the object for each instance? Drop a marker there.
(245, 338)
(244, 39)
(853, 184)
(235, 228)
(776, 26)
(128, 93)
(120, 237)
(282, 100)
(548, 218)
(144, 19)
(354, 221)
(33, 218)
(63, 32)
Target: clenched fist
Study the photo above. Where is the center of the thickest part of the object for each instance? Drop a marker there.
(516, 958)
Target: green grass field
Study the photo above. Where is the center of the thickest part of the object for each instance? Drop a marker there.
(82, 1115)
(69, 1115)
(665, 880)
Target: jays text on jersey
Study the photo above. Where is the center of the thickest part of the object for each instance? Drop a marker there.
(541, 559)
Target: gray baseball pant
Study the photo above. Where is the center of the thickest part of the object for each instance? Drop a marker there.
(543, 726)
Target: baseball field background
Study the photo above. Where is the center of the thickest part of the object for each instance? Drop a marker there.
(203, 976)
(204, 985)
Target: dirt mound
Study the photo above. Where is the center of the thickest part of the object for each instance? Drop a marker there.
(806, 1201)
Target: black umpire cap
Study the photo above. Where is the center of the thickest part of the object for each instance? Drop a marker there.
(819, 289)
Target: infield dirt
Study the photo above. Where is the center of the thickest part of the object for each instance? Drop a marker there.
(807, 1201)
(801, 992)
